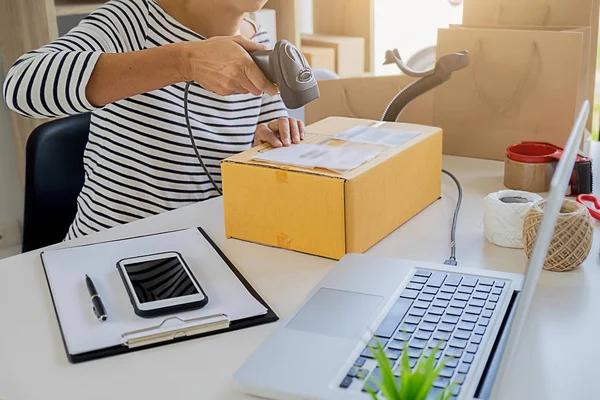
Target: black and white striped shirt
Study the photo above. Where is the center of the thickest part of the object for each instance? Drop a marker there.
(138, 160)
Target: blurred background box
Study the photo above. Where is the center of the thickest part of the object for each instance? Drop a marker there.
(319, 57)
(349, 51)
(367, 97)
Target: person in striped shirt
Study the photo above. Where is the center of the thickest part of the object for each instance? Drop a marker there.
(127, 64)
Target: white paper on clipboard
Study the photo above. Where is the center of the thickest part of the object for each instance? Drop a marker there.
(66, 270)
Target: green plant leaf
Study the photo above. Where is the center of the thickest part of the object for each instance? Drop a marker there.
(372, 393)
(411, 384)
(387, 384)
(405, 373)
(447, 393)
(431, 373)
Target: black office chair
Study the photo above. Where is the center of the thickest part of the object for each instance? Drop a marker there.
(53, 179)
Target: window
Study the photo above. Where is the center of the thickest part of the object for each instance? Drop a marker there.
(411, 27)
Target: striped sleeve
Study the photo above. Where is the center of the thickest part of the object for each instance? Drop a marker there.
(271, 108)
(51, 81)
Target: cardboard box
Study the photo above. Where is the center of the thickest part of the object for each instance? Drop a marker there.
(349, 52)
(327, 214)
(367, 97)
(320, 57)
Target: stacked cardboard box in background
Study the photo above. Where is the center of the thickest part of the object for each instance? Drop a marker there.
(348, 53)
(320, 57)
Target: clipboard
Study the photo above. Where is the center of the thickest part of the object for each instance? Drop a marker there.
(171, 329)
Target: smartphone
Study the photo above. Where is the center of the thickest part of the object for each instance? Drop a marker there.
(160, 284)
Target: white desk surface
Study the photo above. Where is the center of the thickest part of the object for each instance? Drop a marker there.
(559, 352)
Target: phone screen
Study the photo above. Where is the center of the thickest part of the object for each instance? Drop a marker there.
(160, 279)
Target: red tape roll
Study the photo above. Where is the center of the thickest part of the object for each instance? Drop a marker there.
(534, 153)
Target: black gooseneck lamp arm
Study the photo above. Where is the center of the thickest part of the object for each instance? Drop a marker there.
(429, 80)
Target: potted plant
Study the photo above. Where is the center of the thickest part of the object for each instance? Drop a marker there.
(411, 384)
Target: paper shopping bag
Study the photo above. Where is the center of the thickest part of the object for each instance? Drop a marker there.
(530, 12)
(547, 13)
(521, 84)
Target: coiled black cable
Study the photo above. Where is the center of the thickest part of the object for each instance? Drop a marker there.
(186, 112)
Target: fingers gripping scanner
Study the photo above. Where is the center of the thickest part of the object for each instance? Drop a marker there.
(287, 68)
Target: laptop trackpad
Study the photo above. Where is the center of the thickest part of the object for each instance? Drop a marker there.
(336, 313)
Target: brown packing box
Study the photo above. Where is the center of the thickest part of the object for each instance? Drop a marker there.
(327, 214)
(349, 52)
(320, 57)
(367, 97)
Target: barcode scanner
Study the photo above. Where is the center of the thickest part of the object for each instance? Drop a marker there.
(286, 67)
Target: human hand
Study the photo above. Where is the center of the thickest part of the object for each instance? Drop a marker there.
(223, 66)
(280, 132)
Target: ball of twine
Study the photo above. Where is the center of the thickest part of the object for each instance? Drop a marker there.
(572, 238)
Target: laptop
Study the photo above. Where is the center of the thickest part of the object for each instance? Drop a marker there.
(475, 316)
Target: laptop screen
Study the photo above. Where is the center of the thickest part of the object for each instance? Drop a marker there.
(558, 190)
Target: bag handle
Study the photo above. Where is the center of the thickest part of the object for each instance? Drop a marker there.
(348, 107)
(545, 18)
(346, 104)
(505, 106)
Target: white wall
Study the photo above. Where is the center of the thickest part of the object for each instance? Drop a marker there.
(408, 25)
(11, 190)
(305, 19)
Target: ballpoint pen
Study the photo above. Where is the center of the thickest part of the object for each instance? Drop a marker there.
(97, 304)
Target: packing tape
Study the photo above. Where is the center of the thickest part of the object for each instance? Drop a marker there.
(503, 216)
(283, 241)
(281, 176)
(529, 177)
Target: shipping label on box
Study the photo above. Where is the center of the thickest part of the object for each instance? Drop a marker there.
(319, 211)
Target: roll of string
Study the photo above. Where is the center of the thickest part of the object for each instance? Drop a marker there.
(572, 239)
(503, 216)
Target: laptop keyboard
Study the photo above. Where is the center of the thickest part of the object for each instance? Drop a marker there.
(451, 311)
